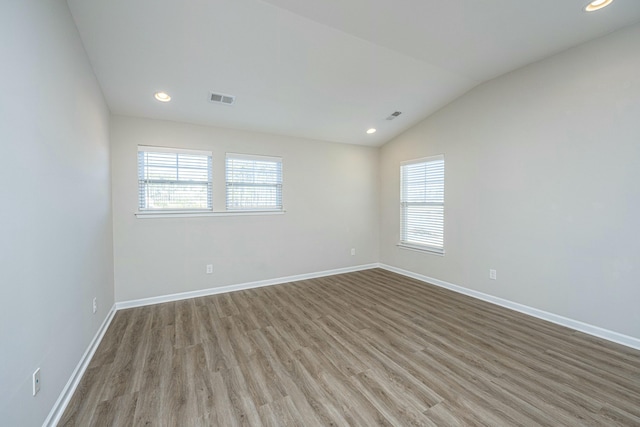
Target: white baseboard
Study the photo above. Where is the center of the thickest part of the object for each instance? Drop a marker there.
(540, 314)
(67, 392)
(58, 409)
(239, 287)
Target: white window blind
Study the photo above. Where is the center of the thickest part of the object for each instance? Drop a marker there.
(174, 179)
(253, 182)
(422, 204)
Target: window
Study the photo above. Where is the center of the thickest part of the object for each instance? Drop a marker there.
(254, 182)
(422, 204)
(173, 179)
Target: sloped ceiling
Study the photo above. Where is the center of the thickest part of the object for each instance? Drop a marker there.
(326, 70)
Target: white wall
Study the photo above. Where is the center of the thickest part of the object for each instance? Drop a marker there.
(330, 195)
(542, 184)
(55, 227)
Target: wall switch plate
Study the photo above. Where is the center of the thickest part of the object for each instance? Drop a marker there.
(353, 251)
(95, 305)
(36, 381)
(492, 274)
(209, 268)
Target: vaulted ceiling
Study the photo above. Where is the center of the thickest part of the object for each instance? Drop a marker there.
(326, 70)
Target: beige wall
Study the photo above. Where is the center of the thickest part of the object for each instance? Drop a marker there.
(542, 184)
(330, 196)
(55, 245)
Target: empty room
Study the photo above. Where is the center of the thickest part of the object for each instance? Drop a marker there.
(329, 213)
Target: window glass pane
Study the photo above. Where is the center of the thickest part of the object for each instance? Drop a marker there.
(173, 180)
(422, 204)
(253, 183)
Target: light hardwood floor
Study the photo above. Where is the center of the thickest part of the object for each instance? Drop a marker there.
(366, 348)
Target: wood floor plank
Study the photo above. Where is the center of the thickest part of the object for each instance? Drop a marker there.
(305, 393)
(244, 408)
(397, 410)
(222, 411)
(359, 349)
(343, 395)
(86, 397)
(128, 365)
(159, 360)
(116, 412)
(285, 412)
(442, 414)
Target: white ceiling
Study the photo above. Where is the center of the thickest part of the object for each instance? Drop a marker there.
(327, 69)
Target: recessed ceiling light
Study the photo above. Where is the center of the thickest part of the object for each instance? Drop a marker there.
(597, 5)
(162, 97)
(372, 130)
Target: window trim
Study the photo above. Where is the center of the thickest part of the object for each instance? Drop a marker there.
(194, 214)
(412, 246)
(279, 186)
(174, 211)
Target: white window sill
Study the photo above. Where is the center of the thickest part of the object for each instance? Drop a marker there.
(424, 249)
(187, 214)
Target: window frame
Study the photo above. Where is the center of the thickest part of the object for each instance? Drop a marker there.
(404, 241)
(278, 186)
(178, 151)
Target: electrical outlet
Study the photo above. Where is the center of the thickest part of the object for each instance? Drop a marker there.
(492, 274)
(353, 251)
(95, 305)
(209, 268)
(36, 381)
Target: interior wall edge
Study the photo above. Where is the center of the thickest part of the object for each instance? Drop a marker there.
(577, 325)
(239, 287)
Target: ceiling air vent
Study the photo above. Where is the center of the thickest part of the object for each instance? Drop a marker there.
(220, 98)
(394, 115)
